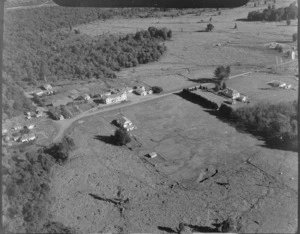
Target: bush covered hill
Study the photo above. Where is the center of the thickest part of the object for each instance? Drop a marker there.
(273, 14)
(27, 199)
(40, 45)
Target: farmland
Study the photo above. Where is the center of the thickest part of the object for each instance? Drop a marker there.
(208, 170)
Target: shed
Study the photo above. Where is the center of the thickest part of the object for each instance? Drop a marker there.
(47, 87)
(231, 93)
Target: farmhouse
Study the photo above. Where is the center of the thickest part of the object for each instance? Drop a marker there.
(141, 91)
(125, 123)
(47, 87)
(231, 93)
(39, 93)
(277, 84)
(17, 127)
(114, 98)
(30, 126)
(16, 138)
(27, 137)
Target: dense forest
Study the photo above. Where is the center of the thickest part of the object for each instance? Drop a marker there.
(26, 188)
(273, 14)
(41, 45)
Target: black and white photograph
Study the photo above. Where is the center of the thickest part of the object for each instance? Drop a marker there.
(149, 116)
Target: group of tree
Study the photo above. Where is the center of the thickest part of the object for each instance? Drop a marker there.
(60, 151)
(14, 101)
(276, 123)
(58, 111)
(157, 89)
(273, 14)
(26, 192)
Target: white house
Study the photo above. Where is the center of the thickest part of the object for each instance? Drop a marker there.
(86, 97)
(28, 137)
(17, 127)
(47, 87)
(277, 84)
(141, 91)
(115, 98)
(30, 126)
(231, 93)
(39, 93)
(125, 123)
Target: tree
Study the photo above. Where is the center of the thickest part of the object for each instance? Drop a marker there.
(157, 89)
(295, 37)
(209, 27)
(121, 137)
(222, 72)
(288, 22)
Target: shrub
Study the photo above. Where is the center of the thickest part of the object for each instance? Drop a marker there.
(157, 89)
(279, 48)
(121, 137)
(295, 37)
(209, 27)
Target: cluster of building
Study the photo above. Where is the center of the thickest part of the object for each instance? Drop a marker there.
(38, 113)
(47, 89)
(17, 136)
(234, 95)
(279, 84)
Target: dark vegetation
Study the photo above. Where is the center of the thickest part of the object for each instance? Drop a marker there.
(60, 151)
(273, 14)
(26, 190)
(121, 137)
(277, 124)
(209, 28)
(295, 37)
(157, 89)
(222, 74)
(14, 101)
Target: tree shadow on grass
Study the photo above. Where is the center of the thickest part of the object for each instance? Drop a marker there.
(105, 139)
(167, 229)
(201, 31)
(242, 19)
(203, 229)
(284, 41)
(203, 80)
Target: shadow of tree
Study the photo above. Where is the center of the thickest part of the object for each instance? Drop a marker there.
(201, 31)
(242, 19)
(105, 139)
(204, 80)
(203, 229)
(166, 229)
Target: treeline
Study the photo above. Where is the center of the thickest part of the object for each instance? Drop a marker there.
(277, 124)
(14, 101)
(273, 14)
(26, 188)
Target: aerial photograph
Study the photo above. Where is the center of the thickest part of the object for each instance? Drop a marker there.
(150, 116)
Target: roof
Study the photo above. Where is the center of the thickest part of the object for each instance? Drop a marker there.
(276, 83)
(123, 119)
(114, 95)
